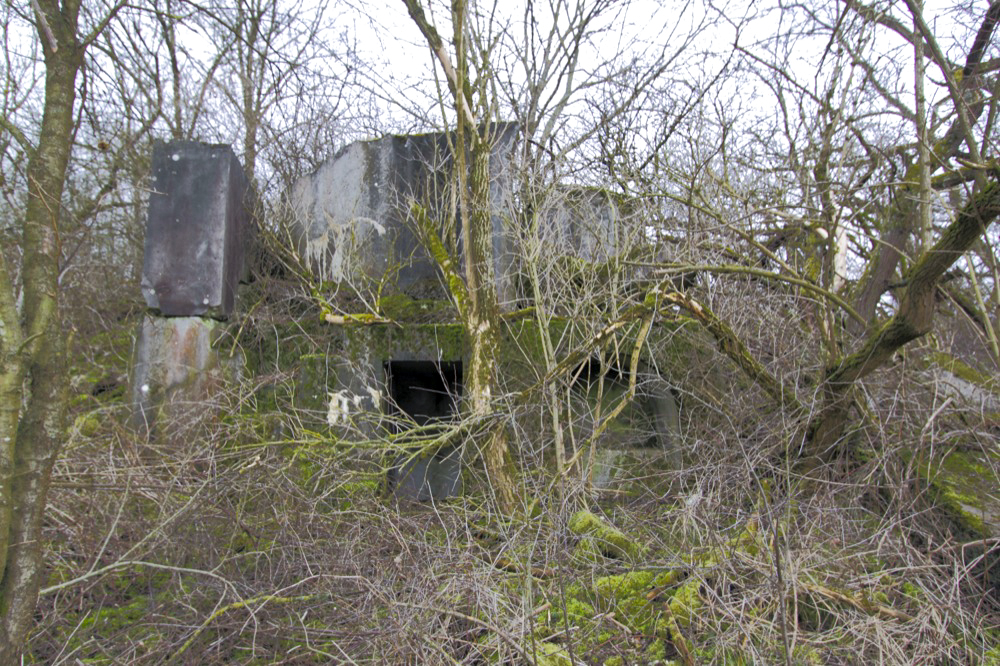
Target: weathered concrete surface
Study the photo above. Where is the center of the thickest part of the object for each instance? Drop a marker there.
(427, 478)
(583, 222)
(374, 380)
(178, 373)
(197, 230)
(351, 215)
(351, 373)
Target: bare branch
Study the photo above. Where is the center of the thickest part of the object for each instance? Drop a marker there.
(46, 28)
(437, 47)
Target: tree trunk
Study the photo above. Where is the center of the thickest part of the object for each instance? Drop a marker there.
(483, 314)
(913, 320)
(476, 297)
(37, 352)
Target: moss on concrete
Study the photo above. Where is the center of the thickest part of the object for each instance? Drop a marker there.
(964, 487)
(963, 370)
(399, 307)
(382, 342)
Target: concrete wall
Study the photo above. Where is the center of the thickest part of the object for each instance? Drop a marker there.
(350, 216)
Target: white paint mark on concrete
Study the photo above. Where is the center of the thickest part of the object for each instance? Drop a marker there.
(378, 227)
(339, 408)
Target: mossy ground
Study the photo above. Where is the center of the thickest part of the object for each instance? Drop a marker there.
(271, 502)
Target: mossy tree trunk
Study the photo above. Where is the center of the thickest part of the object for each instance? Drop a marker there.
(475, 292)
(32, 345)
(912, 320)
(482, 316)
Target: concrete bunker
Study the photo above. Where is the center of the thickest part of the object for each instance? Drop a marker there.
(396, 365)
(351, 221)
(647, 429)
(420, 394)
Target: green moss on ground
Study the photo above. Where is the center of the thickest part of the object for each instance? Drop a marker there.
(87, 425)
(121, 623)
(597, 536)
(549, 654)
(686, 602)
(627, 594)
(639, 625)
(657, 650)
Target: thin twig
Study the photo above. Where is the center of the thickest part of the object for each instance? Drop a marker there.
(263, 599)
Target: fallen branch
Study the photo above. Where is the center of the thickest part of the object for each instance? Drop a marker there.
(263, 599)
(862, 605)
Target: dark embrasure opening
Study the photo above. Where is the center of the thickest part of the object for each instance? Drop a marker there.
(421, 393)
(425, 391)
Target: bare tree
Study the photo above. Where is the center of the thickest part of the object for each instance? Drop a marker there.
(473, 292)
(33, 345)
(827, 191)
(280, 73)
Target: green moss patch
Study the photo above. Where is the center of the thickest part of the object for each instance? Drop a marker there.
(399, 307)
(686, 602)
(965, 487)
(597, 536)
(550, 654)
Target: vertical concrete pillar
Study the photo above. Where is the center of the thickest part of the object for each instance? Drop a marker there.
(197, 232)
